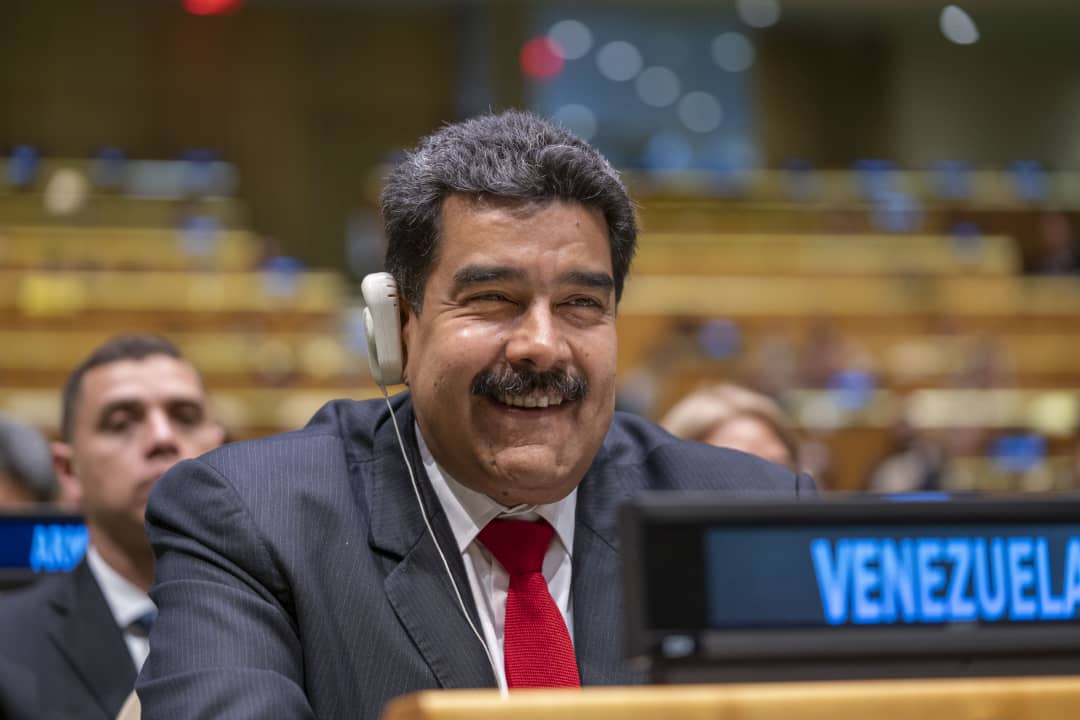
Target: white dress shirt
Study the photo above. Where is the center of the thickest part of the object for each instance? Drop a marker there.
(126, 601)
(468, 512)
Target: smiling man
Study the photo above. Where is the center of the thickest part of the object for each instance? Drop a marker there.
(129, 411)
(467, 538)
(525, 297)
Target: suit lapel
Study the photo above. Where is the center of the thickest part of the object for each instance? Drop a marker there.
(597, 583)
(85, 633)
(418, 587)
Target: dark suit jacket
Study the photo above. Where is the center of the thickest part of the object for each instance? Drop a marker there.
(295, 578)
(61, 653)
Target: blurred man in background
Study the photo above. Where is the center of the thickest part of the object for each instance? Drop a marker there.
(26, 470)
(131, 410)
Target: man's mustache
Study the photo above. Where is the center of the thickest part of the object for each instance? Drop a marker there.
(519, 381)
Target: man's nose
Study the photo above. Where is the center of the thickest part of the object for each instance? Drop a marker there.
(537, 339)
(161, 432)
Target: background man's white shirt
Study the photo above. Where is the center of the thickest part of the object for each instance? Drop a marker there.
(126, 602)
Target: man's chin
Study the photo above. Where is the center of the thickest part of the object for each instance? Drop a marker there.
(531, 475)
(513, 496)
(143, 488)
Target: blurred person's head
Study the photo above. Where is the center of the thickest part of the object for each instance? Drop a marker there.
(984, 363)
(735, 417)
(1056, 250)
(1072, 468)
(131, 410)
(510, 239)
(26, 471)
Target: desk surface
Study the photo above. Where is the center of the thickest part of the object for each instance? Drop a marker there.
(1042, 698)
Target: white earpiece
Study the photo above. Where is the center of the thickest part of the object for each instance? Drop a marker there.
(382, 321)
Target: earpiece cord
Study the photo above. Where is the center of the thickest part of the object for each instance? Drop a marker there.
(446, 565)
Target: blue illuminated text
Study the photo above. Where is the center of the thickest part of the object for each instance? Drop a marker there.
(877, 581)
(57, 547)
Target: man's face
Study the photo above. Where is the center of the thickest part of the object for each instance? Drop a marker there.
(133, 420)
(521, 295)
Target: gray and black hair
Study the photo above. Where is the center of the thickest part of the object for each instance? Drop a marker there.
(122, 347)
(513, 155)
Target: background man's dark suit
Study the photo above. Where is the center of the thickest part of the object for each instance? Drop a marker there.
(70, 656)
(295, 579)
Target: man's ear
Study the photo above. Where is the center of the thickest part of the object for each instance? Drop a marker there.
(71, 492)
(218, 434)
(408, 326)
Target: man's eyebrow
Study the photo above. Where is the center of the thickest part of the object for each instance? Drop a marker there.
(138, 405)
(127, 404)
(586, 278)
(477, 274)
(183, 401)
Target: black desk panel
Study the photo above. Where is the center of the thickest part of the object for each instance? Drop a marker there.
(34, 544)
(852, 587)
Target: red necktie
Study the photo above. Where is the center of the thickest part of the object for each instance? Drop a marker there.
(536, 645)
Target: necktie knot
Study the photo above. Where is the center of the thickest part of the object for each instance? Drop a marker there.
(518, 545)
(142, 624)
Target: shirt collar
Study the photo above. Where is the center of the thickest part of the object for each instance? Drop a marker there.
(469, 511)
(126, 601)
